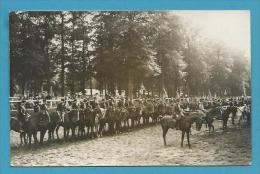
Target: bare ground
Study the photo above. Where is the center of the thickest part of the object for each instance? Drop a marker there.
(142, 147)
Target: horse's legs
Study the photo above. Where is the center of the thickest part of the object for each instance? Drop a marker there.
(42, 133)
(21, 139)
(88, 129)
(101, 125)
(83, 131)
(30, 138)
(95, 130)
(64, 133)
(57, 131)
(35, 137)
(73, 130)
(188, 138)
(24, 137)
(91, 129)
(78, 130)
(67, 133)
(224, 123)
(182, 137)
(52, 135)
(165, 130)
(49, 135)
(233, 119)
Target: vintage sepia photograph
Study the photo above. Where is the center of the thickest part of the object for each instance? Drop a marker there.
(130, 88)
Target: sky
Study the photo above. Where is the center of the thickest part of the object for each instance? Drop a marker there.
(231, 27)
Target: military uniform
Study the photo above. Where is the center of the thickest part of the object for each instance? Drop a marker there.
(21, 112)
(60, 109)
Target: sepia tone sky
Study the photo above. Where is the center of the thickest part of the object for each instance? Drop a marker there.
(231, 27)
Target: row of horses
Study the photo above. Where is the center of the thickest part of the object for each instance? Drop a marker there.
(207, 117)
(84, 121)
(87, 122)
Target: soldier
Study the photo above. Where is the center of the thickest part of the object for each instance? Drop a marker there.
(45, 110)
(201, 106)
(233, 112)
(120, 103)
(74, 104)
(21, 112)
(88, 105)
(60, 109)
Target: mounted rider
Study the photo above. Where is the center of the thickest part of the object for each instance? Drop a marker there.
(88, 106)
(233, 112)
(36, 106)
(74, 105)
(120, 103)
(45, 110)
(22, 112)
(61, 108)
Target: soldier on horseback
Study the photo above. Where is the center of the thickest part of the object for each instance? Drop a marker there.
(45, 110)
(60, 109)
(36, 106)
(22, 114)
(88, 105)
(233, 112)
(74, 105)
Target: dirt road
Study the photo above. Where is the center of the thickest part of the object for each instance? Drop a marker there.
(142, 147)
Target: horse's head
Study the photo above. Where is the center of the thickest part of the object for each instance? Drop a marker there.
(16, 125)
(199, 122)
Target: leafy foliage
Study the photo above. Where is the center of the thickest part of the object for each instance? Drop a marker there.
(122, 50)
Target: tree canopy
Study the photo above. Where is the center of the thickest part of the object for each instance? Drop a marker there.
(67, 52)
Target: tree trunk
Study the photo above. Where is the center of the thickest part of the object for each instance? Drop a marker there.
(130, 86)
(62, 57)
(90, 85)
(84, 64)
(11, 77)
(72, 55)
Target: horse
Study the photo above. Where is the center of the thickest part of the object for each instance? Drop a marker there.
(135, 113)
(71, 120)
(219, 113)
(55, 123)
(91, 121)
(210, 115)
(17, 126)
(111, 118)
(167, 122)
(131, 114)
(124, 117)
(100, 114)
(161, 108)
(185, 123)
(148, 112)
(193, 106)
(81, 122)
(36, 121)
